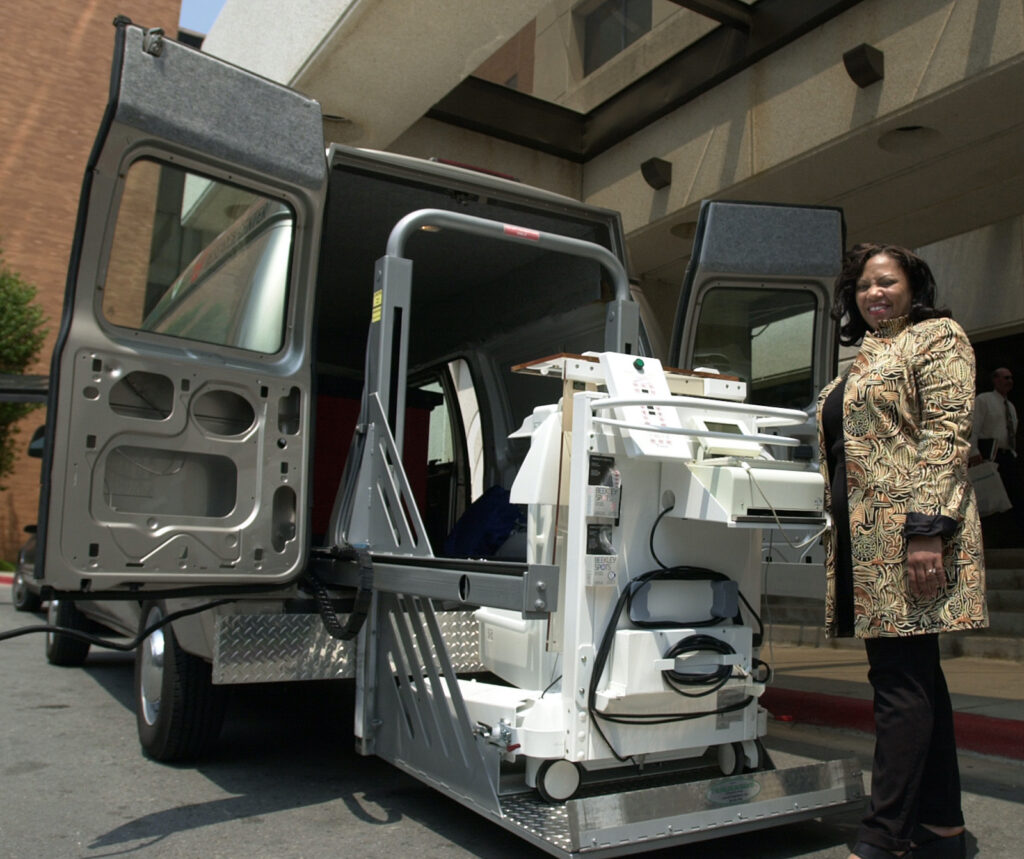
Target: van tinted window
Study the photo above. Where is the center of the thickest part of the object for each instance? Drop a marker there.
(766, 337)
(200, 259)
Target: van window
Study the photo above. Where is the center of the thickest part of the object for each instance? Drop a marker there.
(443, 451)
(469, 414)
(763, 336)
(199, 259)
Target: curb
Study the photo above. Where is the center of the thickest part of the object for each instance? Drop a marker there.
(6, 579)
(986, 735)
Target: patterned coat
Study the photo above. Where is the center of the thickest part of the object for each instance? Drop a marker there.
(907, 411)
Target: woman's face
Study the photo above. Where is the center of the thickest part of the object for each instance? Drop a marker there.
(883, 291)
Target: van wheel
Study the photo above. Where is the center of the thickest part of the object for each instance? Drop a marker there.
(178, 710)
(63, 649)
(21, 597)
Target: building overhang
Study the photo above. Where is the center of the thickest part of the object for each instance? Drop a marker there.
(747, 34)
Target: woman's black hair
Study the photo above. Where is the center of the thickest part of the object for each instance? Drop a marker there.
(852, 326)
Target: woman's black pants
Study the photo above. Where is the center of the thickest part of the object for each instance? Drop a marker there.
(915, 778)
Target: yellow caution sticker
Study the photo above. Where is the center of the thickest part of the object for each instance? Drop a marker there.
(378, 304)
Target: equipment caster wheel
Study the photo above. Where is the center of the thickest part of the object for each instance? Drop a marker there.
(731, 760)
(558, 780)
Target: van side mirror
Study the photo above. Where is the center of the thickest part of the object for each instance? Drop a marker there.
(35, 446)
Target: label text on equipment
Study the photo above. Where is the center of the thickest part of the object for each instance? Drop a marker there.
(520, 232)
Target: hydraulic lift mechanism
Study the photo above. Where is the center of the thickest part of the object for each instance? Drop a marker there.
(624, 672)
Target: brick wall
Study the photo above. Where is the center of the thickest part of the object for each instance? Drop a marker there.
(54, 72)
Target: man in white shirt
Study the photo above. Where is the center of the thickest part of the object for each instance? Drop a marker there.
(995, 431)
(995, 418)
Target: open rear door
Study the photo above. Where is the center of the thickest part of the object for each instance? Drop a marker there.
(179, 412)
(756, 297)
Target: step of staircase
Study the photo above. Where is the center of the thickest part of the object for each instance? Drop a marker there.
(800, 611)
(1006, 600)
(977, 643)
(997, 579)
(983, 644)
(1006, 622)
(800, 620)
(1004, 580)
(1006, 559)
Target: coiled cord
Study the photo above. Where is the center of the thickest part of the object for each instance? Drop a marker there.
(708, 682)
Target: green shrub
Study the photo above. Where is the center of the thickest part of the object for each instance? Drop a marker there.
(21, 337)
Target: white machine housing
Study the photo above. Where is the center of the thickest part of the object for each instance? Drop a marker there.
(632, 448)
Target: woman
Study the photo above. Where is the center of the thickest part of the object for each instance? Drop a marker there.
(904, 559)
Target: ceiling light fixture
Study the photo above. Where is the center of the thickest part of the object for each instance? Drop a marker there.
(864, 64)
(909, 140)
(657, 173)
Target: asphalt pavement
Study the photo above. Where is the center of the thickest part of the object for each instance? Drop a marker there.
(285, 784)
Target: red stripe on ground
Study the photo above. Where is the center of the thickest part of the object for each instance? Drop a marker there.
(990, 736)
(985, 734)
(790, 705)
(6, 579)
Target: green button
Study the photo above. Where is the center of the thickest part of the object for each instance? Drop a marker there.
(639, 363)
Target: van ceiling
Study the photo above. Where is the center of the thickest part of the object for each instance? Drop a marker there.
(466, 289)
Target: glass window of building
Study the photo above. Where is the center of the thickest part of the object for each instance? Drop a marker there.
(611, 27)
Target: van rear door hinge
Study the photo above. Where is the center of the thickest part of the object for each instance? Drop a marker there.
(153, 41)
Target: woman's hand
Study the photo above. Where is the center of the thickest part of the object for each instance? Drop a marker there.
(925, 573)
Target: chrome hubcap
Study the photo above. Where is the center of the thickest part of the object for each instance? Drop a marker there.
(51, 620)
(151, 671)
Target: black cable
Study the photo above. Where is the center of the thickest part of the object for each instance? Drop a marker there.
(710, 681)
(601, 659)
(654, 554)
(548, 687)
(361, 607)
(106, 642)
(758, 638)
(138, 594)
(604, 649)
(664, 719)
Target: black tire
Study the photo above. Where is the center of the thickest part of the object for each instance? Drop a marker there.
(21, 597)
(63, 649)
(179, 712)
(764, 760)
